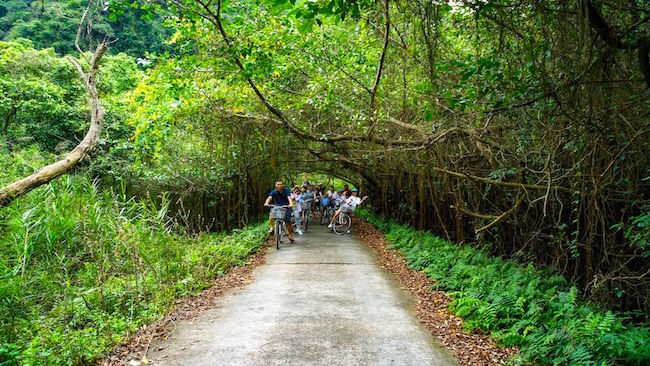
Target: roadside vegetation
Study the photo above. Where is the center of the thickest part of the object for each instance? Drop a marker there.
(520, 304)
(82, 267)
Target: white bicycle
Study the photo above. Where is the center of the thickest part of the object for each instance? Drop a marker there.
(278, 213)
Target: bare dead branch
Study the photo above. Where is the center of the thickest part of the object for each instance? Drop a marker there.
(54, 170)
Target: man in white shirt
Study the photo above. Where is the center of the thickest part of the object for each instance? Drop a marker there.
(352, 201)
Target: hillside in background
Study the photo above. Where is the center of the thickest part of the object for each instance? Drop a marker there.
(54, 23)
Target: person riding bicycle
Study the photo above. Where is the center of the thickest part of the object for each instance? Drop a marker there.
(323, 199)
(330, 195)
(318, 192)
(307, 195)
(281, 197)
(295, 196)
(352, 201)
(338, 198)
(346, 191)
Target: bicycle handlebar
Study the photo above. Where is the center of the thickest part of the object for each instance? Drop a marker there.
(278, 206)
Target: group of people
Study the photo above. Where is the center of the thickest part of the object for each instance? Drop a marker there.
(319, 197)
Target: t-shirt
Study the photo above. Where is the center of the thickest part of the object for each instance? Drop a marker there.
(280, 198)
(353, 201)
(329, 193)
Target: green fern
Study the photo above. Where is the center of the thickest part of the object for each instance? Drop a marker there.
(521, 305)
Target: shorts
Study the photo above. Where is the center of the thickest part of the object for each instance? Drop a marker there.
(287, 217)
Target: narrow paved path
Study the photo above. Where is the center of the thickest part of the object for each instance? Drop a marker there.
(322, 301)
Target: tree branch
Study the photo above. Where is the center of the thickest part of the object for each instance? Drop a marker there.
(499, 183)
(373, 94)
(52, 171)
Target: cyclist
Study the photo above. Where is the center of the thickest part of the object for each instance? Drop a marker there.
(325, 198)
(353, 201)
(317, 195)
(338, 198)
(281, 197)
(330, 194)
(295, 196)
(346, 191)
(308, 195)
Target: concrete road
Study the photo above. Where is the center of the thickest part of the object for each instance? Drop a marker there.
(321, 301)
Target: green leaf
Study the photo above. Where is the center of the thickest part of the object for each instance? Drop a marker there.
(306, 26)
(428, 115)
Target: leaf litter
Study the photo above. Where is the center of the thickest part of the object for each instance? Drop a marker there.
(432, 306)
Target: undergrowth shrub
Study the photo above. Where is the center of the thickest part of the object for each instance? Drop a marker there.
(81, 268)
(520, 305)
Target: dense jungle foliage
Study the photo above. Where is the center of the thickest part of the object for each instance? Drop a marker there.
(138, 31)
(518, 129)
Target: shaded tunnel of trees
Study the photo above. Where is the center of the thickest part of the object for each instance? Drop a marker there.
(519, 127)
(529, 140)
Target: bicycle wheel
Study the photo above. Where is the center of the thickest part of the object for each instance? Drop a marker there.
(342, 224)
(283, 230)
(278, 234)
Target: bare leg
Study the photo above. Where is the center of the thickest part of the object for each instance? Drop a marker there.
(336, 214)
(290, 231)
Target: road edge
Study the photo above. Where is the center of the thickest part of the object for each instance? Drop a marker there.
(134, 350)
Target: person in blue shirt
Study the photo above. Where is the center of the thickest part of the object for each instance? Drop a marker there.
(338, 198)
(281, 197)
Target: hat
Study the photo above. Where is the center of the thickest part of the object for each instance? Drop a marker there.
(355, 190)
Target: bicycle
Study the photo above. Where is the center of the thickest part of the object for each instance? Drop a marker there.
(278, 213)
(326, 213)
(343, 222)
(305, 206)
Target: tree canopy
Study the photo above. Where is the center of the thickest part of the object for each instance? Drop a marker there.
(516, 123)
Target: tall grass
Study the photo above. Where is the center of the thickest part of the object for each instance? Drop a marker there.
(521, 305)
(80, 268)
